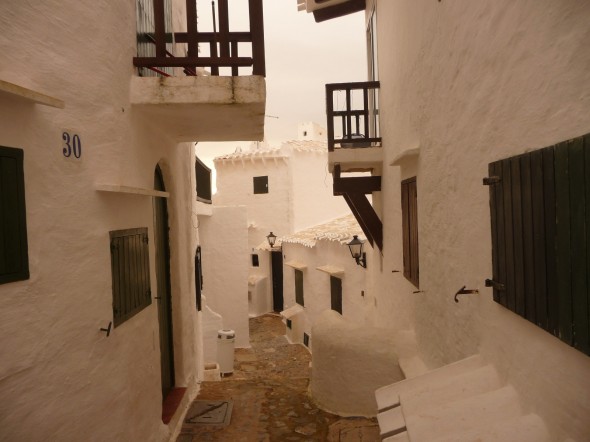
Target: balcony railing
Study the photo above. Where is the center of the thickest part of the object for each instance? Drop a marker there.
(223, 44)
(203, 174)
(353, 109)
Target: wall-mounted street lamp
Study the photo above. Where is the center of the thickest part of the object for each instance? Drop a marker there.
(356, 250)
(271, 238)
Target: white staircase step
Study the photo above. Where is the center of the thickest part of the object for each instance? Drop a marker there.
(388, 395)
(401, 437)
(528, 428)
(451, 418)
(412, 366)
(475, 382)
(391, 421)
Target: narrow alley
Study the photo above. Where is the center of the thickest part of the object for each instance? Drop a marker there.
(267, 393)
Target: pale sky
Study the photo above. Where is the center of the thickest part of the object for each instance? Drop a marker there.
(301, 57)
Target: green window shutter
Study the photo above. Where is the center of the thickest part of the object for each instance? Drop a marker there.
(260, 184)
(409, 197)
(336, 294)
(299, 287)
(130, 270)
(14, 260)
(540, 220)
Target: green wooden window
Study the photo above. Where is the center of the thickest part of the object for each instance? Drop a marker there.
(130, 268)
(540, 220)
(410, 231)
(260, 184)
(336, 294)
(203, 179)
(14, 257)
(299, 287)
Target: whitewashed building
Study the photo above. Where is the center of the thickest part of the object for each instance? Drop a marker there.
(320, 274)
(283, 190)
(479, 153)
(101, 332)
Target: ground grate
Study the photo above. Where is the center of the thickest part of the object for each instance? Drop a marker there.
(209, 413)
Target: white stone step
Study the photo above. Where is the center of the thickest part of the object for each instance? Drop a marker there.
(401, 437)
(529, 428)
(446, 420)
(391, 421)
(474, 382)
(388, 395)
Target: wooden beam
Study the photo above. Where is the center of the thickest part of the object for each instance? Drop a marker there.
(160, 28)
(363, 184)
(190, 61)
(367, 218)
(339, 10)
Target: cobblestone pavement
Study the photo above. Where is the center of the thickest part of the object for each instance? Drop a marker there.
(270, 400)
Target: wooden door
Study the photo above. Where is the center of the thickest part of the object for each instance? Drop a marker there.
(277, 281)
(164, 292)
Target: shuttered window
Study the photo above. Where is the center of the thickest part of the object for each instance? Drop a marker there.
(299, 287)
(410, 230)
(540, 220)
(14, 259)
(130, 270)
(260, 184)
(336, 294)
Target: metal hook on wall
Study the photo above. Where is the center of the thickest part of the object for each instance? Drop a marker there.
(463, 291)
(108, 329)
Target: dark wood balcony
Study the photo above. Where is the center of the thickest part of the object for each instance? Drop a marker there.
(222, 44)
(195, 85)
(354, 140)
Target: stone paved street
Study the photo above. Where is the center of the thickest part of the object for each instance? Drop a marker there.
(270, 400)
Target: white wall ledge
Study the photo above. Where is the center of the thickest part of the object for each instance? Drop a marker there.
(408, 154)
(115, 188)
(296, 265)
(30, 95)
(332, 270)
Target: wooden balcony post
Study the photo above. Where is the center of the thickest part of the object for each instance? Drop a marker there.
(160, 28)
(191, 30)
(257, 33)
(330, 114)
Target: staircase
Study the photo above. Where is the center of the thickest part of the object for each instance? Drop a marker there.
(463, 401)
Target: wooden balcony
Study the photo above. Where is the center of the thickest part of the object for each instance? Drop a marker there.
(354, 139)
(204, 89)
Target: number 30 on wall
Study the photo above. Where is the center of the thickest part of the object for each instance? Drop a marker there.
(71, 145)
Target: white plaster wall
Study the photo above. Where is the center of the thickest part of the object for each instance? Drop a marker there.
(356, 308)
(266, 211)
(350, 361)
(313, 198)
(224, 247)
(470, 83)
(55, 362)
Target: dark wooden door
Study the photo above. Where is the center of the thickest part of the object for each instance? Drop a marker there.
(277, 281)
(164, 292)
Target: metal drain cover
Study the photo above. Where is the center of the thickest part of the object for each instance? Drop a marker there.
(209, 413)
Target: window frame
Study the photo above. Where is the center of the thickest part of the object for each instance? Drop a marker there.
(411, 255)
(336, 294)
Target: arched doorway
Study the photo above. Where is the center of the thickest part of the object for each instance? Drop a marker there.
(162, 245)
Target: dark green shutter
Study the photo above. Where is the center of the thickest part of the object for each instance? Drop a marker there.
(299, 287)
(540, 220)
(14, 260)
(130, 268)
(336, 294)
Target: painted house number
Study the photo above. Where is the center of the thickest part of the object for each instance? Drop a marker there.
(71, 145)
